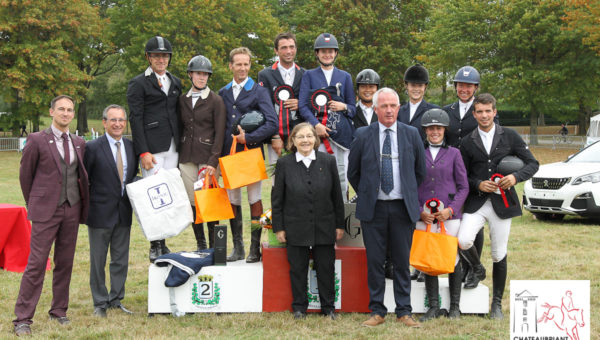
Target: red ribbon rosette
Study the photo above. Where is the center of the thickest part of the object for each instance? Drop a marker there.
(319, 100)
(434, 205)
(495, 178)
(281, 94)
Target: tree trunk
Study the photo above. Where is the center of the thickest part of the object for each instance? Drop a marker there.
(584, 115)
(82, 124)
(533, 121)
(541, 119)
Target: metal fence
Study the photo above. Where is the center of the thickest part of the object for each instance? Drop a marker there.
(555, 141)
(548, 141)
(17, 143)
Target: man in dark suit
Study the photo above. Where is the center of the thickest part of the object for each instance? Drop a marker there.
(367, 83)
(111, 164)
(240, 96)
(416, 79)
(55, 187)
(278, 79)
(492, 197)
(385, 167)
(152, 98)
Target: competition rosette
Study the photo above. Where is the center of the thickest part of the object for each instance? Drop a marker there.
(281, 94)
(433, 206)
(319, 100)
(496, 178)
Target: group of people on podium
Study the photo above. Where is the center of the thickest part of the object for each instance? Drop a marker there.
(320, 139)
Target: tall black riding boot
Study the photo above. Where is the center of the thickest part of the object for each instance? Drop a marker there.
(237, 225)
(198, 233)
(472, 257)
(432, 290)
(211, 233)
(155, 251)
(469, 277)
(256, 209)
(254, 254)
(454, 281)
(498, 283)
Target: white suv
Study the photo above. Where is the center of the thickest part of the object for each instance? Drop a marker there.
(571, 187)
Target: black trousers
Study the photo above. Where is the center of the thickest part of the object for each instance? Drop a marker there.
(391, 224)
(324, 265)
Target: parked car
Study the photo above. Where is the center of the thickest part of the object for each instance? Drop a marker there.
(564, 188)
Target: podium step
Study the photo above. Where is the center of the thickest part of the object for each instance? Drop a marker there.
(472, 301)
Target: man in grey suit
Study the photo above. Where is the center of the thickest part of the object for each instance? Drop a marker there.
(385, 167)
(111, 164)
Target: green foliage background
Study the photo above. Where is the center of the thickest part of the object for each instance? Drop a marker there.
(535, 56)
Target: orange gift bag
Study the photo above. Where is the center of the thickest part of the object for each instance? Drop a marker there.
(433, 253)
(242, 168)
(212, 204)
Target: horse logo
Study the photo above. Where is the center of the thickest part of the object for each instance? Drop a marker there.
(566, 317)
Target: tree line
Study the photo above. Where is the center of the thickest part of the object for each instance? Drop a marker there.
(539, 57)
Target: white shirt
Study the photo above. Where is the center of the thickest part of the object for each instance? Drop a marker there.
(113, 148)
(413, 109)
(367, 111)
(287, 74)
(164, 80)
(464, 107)
(59, 144)
(328, 74)
(434, 150)
(487, 138)
(395, 193)
(306, 159)
(237, 88)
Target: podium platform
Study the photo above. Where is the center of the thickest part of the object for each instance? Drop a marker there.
(242, 287)
(235, 288)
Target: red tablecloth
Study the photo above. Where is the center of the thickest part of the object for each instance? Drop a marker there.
(277, 292)
(15, 234)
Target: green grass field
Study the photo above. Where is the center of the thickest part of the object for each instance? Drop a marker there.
(541, 251)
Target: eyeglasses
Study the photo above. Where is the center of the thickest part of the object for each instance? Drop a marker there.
(304, 137)
(114, 120)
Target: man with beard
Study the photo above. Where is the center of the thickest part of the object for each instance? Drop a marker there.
(282, 80)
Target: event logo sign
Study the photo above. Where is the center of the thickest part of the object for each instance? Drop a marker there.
(550, 309)
(313, 288)
(160, 196)
(206, 292)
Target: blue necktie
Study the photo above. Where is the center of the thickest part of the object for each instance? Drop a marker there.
(387, 178)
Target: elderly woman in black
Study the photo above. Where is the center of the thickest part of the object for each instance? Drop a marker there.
(308, 214)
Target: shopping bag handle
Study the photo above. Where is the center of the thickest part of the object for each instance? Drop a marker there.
(212, 179)
(442, 227)
(234, 146)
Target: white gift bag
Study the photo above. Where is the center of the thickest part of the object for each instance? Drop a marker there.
(161, 204)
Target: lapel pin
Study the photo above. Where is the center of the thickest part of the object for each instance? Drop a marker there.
(50, 141)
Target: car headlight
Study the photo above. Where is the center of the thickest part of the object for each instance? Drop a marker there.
(593, 178)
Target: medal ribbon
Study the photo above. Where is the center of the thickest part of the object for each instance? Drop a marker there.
(281, 109)
(324, 120)
(502, 193)
(434, 204)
